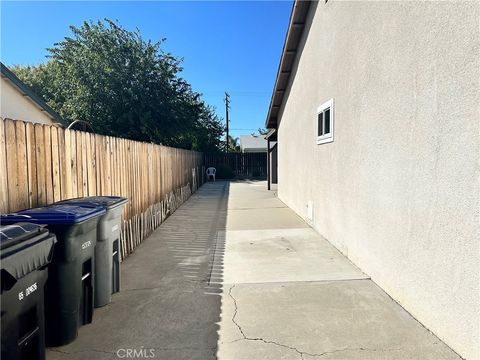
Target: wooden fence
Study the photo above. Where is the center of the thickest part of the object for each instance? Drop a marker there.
(41, 164)
(243, 165)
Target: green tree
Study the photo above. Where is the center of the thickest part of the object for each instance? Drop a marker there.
(124, 86)
(233, 144)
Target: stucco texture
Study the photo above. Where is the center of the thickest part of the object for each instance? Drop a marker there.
(397, 190)
(18, 107)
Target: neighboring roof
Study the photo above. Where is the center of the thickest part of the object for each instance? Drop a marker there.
(25, 90)
(249, 142)
(290, 47)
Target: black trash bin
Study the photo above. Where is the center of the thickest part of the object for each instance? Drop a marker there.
(69, 291)
(107, 251)
(26, 250)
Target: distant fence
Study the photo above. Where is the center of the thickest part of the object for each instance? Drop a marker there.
(243, 165)
(41, 164)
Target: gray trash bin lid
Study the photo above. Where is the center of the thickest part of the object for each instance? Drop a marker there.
(65, 214)
(107, 202)
(25, 247)
(16, 233)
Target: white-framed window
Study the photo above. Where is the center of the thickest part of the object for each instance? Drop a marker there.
(325, 122)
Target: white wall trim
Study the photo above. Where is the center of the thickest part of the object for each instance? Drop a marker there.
(326, 138)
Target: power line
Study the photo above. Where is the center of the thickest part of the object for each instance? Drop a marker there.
(237, 93)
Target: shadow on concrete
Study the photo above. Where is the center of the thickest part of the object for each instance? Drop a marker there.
(170, 300)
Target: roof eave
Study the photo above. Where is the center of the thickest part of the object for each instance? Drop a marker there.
(294, 34)
(28, 92)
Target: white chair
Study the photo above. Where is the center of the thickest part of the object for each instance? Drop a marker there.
(211, 172)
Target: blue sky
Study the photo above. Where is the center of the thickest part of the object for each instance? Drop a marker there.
(226, 45)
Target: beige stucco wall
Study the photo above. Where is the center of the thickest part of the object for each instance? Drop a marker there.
(398, 189)
(18, 107)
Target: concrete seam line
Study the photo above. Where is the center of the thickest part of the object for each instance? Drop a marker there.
(301, 353)
(288, 282)
(257, 208)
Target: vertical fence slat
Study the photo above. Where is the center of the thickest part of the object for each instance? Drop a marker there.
(106, 180)
(4, 207)
(90, 158)
(73, 163)
(88, 165)
(98, 164)
(41, 167)
(40, 164)
(22, 171)
(11, 154)
(55, 165)
(62, 163)
(31, 165)
(83, 136)
(79, 166)
(48, 164)
(68, 165)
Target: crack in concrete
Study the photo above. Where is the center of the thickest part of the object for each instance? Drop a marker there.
(186, 348)
(245, 337)
(300, 352)
(355, 349)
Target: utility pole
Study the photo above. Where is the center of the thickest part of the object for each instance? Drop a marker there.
(227, 106)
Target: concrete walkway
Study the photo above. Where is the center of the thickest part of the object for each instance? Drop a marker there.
(235, 274)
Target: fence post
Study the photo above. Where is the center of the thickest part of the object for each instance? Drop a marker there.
(40, 164)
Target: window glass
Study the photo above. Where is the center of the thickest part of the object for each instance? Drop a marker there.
(320, 124)
(327, 121)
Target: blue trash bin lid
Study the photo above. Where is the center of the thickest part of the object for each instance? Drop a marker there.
(53, 215)
(18, 232)
(107, 202)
